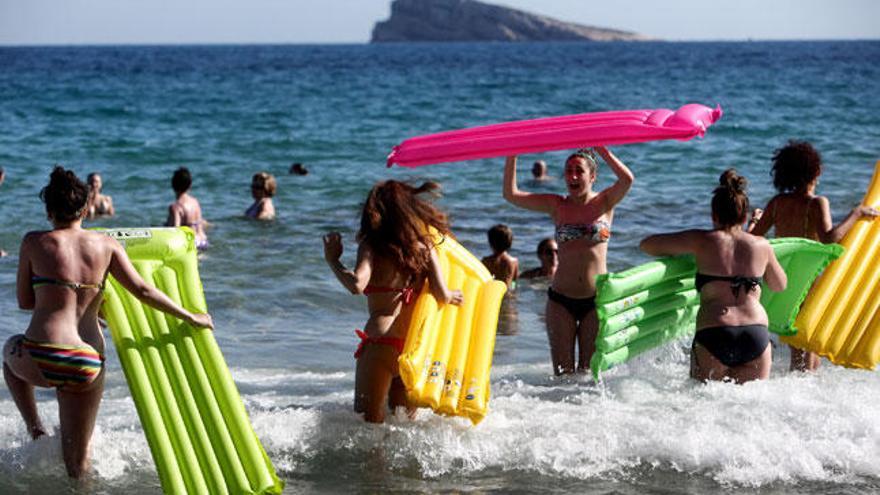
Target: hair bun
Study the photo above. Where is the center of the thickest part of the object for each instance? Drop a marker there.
(733, 181)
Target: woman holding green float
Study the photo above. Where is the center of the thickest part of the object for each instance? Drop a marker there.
(61, 276)
(732, 340)
(583, 226)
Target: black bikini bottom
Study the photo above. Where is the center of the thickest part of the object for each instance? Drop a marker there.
(576, 307)
(734, 346)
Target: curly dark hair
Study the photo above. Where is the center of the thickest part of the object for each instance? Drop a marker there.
(795, 166)
(394, 224)
(66, 196)
(730, 204)
(500, 237)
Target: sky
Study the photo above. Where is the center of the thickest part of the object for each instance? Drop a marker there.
(63, 22)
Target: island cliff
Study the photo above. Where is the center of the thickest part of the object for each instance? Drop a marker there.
(470, 20)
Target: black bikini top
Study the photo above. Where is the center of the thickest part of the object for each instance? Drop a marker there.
(736, 282)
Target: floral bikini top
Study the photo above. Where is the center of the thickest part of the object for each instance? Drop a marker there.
(600, 231)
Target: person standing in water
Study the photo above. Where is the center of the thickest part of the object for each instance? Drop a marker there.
(61, 277)
(797, 211)
(732, 341)
(500, 263)
(395, 256)
(583, 220)
(263, 187)
(186, 210)
(548, 255)
(100, 205)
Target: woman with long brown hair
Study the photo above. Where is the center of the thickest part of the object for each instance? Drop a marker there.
(61, 276)
(395, 256)
(732, 341)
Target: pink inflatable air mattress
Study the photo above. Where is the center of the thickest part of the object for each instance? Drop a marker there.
(555, 133)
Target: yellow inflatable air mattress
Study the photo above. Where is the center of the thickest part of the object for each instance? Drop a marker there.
(448, 352)
(840, 318)
(198, 430)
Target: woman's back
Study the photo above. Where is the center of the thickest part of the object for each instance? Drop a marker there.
(67, 269)
(723, 253)
(791, 215)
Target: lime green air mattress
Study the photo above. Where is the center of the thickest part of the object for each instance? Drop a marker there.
(654, 303)
(198, 430)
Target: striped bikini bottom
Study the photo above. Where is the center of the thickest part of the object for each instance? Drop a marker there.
(63, 365)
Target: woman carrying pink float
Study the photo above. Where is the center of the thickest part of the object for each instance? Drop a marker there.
(583, 220)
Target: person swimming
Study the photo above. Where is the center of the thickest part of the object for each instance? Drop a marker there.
(395, 256)
(186, 210)
(61, 277)
(583, 227)
(732, 341)
(548, 255)
(263, 187)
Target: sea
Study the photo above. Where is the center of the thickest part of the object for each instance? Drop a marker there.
(286, 326)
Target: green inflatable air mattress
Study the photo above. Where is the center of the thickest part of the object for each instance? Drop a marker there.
(654, 303)
(196, 425)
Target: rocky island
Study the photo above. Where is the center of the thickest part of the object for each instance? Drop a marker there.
(470, 20)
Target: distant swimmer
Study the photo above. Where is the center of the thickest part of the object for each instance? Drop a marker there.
(732, 341)
(796, 211)
(548, 255)
(583, 220)
(500, 263)
(186, 210)
(298, 169)
(395, 256)
(263, 188)
(61, 277)
(539, 171)
(100, 205)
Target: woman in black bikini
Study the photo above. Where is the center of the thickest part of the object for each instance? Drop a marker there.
(583, 226)
(395, 256)
(732, 341)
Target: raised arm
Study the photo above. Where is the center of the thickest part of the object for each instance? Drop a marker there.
(625, 178)
(438, 286)
(354, 280)
(683, 242)
(828, 233)
(537, 202)
(774, 274)
(123, 271)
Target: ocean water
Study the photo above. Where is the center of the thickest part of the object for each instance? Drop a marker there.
(286, 326)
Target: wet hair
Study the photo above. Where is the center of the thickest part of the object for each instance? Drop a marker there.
(795, 166)
(543, 245)
(265, 182)
(66, 196)
(394, 223)
(589, 157)
(181, 181)
(730, 204)
(500, 237)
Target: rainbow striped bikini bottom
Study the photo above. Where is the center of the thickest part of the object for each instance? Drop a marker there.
(64, 364)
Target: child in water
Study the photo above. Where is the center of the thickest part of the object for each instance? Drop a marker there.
(548, 255)
(798, 212)
(186, 210)
(263, 187)
(395, 256)
(500, 263)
